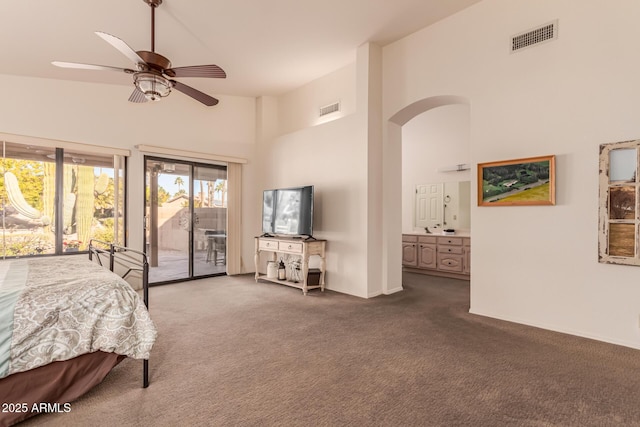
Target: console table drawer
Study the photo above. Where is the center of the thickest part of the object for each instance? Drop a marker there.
(268, 244)
(291, 247)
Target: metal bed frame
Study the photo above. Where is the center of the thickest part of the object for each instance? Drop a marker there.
(131, 261)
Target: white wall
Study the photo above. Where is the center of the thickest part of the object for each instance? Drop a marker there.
(330, 158)
(300, 107)
(537, 265)
(336, 157)
(341, 155)
(435, 139)
(100, 114)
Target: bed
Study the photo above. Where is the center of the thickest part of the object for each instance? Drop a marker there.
(65, 322)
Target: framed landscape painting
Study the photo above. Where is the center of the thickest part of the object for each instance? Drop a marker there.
(519, 182)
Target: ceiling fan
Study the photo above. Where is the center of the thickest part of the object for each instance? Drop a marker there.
(153, 74)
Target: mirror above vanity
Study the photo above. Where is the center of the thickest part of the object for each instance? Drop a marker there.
(443, 205)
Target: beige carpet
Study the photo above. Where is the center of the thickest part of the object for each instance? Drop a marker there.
(235, 353)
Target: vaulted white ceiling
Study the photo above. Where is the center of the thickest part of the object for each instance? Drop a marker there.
(267, 47)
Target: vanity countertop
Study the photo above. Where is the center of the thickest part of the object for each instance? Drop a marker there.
(461, 233)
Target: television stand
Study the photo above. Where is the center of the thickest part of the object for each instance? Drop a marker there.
(302, 248)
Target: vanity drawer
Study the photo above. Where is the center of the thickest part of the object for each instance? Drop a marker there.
(456, 241)
(450, 249)
(452, 263)
(427, 239)
(291, 247)
(409, 238)
(268, 245)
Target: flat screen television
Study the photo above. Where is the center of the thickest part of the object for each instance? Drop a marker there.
(288, 211)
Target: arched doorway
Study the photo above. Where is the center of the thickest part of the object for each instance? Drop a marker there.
(392, 170)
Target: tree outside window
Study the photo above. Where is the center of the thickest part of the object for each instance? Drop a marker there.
(91, 193)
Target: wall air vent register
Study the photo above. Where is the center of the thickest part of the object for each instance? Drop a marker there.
(541, 34)
(331, 108)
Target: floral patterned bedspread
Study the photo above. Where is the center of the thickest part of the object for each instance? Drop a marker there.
(69, 306)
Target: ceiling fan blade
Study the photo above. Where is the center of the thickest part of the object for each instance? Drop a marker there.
(137, 96)
(124, 49)
(212, 71)
(194, 93)
(90, 67)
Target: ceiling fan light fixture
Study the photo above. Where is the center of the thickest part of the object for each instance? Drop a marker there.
(153, 86)
(152, 72)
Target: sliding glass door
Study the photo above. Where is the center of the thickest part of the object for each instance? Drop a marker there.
(185, 219)
(209, 246)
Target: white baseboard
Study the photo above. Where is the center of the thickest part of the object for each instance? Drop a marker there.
(552, 328)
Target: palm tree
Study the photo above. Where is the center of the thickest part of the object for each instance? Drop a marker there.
(221, 186)
(201, 194)
(179, 182)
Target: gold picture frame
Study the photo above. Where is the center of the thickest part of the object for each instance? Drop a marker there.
(520, 182)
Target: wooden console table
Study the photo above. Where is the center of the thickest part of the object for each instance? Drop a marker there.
(303, 248)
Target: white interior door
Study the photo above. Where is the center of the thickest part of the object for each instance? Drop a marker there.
(429, 205)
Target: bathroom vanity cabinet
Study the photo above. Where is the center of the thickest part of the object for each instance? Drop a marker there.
(448, 256)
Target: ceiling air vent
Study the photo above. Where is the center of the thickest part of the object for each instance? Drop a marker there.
(328, 109)
(543, 33)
